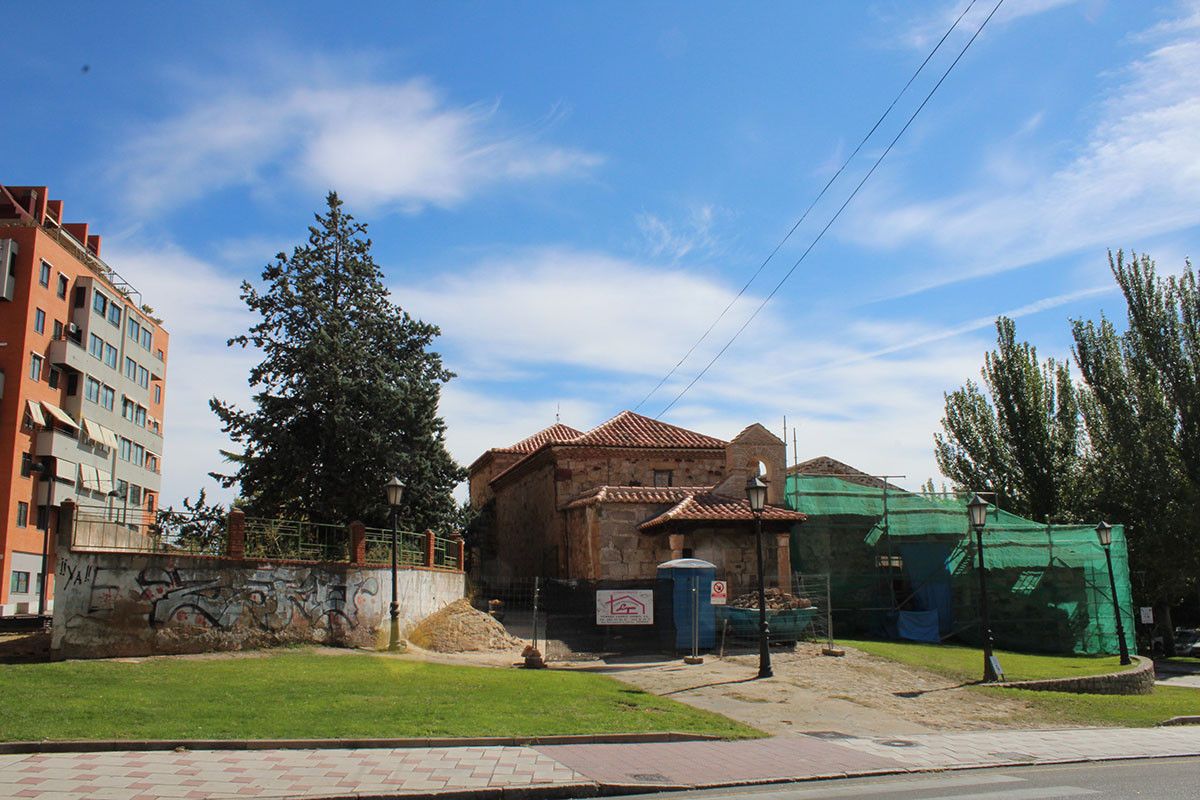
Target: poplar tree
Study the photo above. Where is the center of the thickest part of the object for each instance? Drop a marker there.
(345, 395)
(1019, 435)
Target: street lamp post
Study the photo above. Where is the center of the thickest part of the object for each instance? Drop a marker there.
(395, 491)
(756, 493)
(977, 512)
(1104, 532)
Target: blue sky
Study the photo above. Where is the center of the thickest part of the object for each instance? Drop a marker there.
(574, 191)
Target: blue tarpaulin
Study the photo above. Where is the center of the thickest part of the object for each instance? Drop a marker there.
(918, 626)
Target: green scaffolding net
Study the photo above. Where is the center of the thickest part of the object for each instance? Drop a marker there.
(903, 564)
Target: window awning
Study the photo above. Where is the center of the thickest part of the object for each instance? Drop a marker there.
(65, 469)
(60, 415)
(104, 481)
(35, 413)
(90, 477)
(110, 437)
(100, 434)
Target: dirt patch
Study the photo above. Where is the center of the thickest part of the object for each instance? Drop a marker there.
(22, 648)
(857, 694)
(460, 628)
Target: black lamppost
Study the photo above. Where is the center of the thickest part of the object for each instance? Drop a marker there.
(395, 491)
(977, 512)
(756, 493)
(1104, 531)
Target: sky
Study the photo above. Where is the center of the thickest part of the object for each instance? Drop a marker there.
(574, 192)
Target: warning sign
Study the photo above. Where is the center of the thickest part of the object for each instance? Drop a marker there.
(719, 593)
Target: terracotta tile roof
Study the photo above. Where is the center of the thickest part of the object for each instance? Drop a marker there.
(628, 429)
(635, 494)
(556, 434)
(709, 507)
(826, 466)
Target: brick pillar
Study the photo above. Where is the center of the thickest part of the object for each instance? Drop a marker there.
(358, 543)
(429, 548)
(462, 551)
(65, 530)
(235, 534)
(783, 555)
(675, 540)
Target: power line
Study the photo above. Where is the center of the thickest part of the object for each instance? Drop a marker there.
(811, 205)
(837, 214)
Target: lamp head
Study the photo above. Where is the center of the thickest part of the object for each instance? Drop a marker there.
(977, 512)
(395, 491)
(1104, 533)
(756, 493)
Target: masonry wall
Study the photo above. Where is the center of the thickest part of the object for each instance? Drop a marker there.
(624, 552)
(113, 604)
(528, 528)
(581, 469)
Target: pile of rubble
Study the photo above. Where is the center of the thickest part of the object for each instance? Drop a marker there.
(777, 600)
(459, 628)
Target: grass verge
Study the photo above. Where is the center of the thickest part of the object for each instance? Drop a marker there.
(1050, 708)
(966, 663)
(307, 695)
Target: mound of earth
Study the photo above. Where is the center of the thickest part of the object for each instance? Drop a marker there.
(460, 628)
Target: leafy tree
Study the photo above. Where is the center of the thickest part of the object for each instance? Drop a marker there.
(1018, 435)
(346, 392)
(1142, 410)
(198, 528)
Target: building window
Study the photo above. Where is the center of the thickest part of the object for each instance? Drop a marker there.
(43, 517)
(80, 296)
(54, 376)
(39, 320)
(20, 582)
(663, 477)
(58, 329)
(44, 276)
(72, 384)
(62, 286)
(35, 367)
(139, 416)
(96, 346)
(110, 355)
(91, 389)
(147, 341)
(135, 495)
(100, 303)
(157, 394)
(143, 377)
(22, 515)
(108, 396)
(149, 502)
(114, 314)
(159, 354)
(130, 368)
(134, 329)
(126, 449)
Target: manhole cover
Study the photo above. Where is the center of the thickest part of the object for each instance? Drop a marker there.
(827, 735)
(650, 777)
(898, 743)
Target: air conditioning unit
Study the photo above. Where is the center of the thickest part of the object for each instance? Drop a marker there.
(72, 327)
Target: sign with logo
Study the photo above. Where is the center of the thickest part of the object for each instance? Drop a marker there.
(624, 606)
(719, 593)
(1147, 615)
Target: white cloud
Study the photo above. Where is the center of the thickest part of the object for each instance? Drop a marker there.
(1136, 174)
(401, 144)
(557, 306)
(675, 240)
(924, 31)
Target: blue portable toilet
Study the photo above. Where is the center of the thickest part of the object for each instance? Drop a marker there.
(686, 574)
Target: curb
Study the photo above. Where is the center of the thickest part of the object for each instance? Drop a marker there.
(113, 745)
(1186, 720)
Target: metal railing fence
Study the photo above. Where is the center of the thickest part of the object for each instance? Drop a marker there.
(296, 539)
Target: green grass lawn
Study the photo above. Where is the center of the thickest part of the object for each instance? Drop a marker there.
(1054, 708)
(301, 694)
(966, 663)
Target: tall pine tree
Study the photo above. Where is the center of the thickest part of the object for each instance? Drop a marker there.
(346, 393)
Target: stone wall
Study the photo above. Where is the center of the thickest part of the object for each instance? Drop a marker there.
(134, 604)
(624, 552)
(527, 527)
(1139, 680)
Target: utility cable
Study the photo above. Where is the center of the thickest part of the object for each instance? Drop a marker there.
(837, 214)
(811, 205)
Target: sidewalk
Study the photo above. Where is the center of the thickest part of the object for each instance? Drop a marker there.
(560, 771)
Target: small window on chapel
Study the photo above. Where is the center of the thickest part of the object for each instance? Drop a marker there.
(662, 477)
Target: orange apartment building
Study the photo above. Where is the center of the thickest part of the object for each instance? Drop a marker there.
(82, 385)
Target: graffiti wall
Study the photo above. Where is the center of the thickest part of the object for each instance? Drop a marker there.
(128, 604)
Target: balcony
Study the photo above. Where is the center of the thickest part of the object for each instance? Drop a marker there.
(66, 352)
